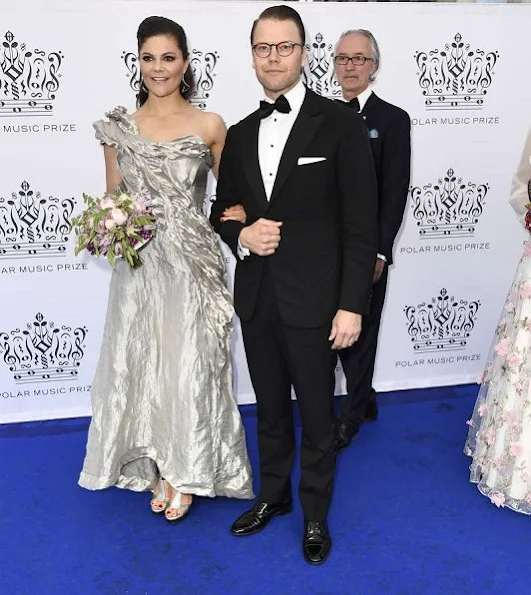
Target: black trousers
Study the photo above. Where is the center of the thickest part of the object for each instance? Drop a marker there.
(278, 357)
(358, 361)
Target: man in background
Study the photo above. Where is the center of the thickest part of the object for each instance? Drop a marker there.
(356, 62)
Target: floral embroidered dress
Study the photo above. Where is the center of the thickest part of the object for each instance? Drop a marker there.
(499, 437)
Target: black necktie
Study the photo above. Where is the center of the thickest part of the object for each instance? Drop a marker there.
(354, 104)
(281, 105)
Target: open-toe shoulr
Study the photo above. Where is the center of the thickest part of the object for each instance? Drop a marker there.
(176, 510)
(160, 499)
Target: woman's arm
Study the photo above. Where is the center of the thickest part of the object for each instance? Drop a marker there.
(218, 133)
(237, 212)
(519, 190)
(112, 175)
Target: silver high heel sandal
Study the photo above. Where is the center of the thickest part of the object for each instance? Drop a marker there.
(160, 500)
(175, 510)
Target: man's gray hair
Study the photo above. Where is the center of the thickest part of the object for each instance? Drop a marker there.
(375, 50)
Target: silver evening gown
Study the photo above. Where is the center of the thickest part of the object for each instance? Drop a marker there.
(162, 395)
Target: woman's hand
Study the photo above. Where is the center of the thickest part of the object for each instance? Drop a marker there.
(235, 213)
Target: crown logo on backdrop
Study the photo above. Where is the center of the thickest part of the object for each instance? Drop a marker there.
(450, 208)
(28, 79)
(455, 77)
(203, 65)
(32, 226)
(43, 351)
(318, 73)
(443, 324)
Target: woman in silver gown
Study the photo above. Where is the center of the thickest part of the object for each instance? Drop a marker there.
(164, 414)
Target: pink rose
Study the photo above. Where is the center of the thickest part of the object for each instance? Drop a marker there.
(118, 216)
(502, 348)
(481, 409)
(514, 359)
(509, 307)
(109, 224)
(527, 324)
(497, 498)
(479, 379)
(510, 415)
(106, 203)
(516, 449)
(527, 249)
(525, 290)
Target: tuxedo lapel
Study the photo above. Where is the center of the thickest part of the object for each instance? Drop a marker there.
(251, 164)
(304, 128)
(370, 104)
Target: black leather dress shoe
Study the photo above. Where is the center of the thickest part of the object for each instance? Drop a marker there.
(256, 519)
(316, 542)
(345, 434)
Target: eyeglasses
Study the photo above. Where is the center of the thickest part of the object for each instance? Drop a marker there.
(284, 48)
(357, 60)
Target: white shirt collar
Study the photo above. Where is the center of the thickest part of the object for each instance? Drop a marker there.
(295, 97)
(362, 97)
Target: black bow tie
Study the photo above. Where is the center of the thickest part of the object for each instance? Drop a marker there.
(354, 104)
(281, 105)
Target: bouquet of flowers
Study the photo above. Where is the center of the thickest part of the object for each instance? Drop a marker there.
(115, 226)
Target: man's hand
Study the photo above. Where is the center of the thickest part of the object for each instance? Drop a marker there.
(262, 237)
(378, 270)
(235, 213)
(346, 328)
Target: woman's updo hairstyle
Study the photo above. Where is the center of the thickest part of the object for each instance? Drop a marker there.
(153, 26)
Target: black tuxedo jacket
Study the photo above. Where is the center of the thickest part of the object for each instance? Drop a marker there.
(389, 134)
(328, 246)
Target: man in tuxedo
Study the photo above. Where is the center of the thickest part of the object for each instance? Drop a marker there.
(356, 61)
(301, 167)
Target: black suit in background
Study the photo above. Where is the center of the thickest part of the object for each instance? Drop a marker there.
(389, 132)
(286, 301)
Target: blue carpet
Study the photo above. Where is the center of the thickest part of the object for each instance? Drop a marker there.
(405, 520)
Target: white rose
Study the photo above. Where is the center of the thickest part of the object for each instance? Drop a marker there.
(106, 203)
(118, 216)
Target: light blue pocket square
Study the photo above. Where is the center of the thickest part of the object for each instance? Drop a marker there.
(373, 133)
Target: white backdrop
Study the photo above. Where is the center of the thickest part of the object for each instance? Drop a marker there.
(461, 73)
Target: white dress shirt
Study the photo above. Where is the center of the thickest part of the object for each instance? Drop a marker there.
(363, 98)
(272, 137)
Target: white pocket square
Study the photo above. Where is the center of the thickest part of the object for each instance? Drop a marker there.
(308, 160)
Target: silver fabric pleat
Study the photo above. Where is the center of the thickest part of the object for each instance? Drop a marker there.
(162, 395)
